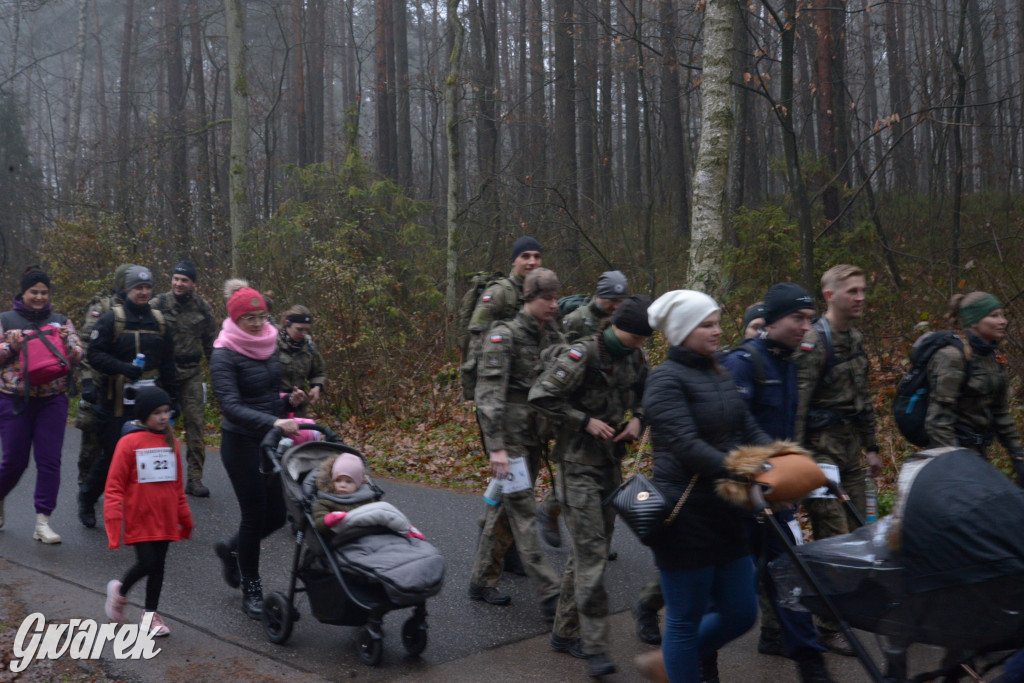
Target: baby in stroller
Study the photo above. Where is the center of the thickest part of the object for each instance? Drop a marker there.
(345, 503)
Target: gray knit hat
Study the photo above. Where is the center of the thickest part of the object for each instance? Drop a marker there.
(137, 276)
(612, 285)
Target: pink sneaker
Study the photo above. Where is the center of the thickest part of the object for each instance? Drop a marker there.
(115, 601)
(157, 627)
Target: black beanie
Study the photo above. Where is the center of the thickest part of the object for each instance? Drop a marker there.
(783, 299)
(754, 311)
(148, 399)
(631, 316)
(187, 269)
(33, 275)
(524, 244)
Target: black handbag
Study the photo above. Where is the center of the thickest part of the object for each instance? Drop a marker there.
(642, 506)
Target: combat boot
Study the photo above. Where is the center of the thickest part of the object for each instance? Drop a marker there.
(43, 531)
(195, 488)
(647, 629)
(86, 513)
(229, 563)
(599, 665)
(252, 598)
(813, 670)
(492, 596)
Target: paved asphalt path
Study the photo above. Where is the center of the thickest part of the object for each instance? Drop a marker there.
(212, 640)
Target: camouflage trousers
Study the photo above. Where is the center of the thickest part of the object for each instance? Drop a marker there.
(193, 419)
(839, 445)
(583, 603)
(651, 598)
(90, 448)
(514, 518)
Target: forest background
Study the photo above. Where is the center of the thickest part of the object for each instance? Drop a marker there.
(362, 157)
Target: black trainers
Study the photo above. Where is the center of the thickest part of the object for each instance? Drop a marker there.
(229, 561)
(567, 645)
(514, 563)
(195, 487)
(770, 643)
(647, 629)
(86, 514)
(547, 524)
(599, 665)
(813, 670)
(492, 596)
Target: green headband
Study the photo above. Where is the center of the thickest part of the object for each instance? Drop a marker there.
(974, 312)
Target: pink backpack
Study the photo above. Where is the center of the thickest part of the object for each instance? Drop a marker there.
(43, 356)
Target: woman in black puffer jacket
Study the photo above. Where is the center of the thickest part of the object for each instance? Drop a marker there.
(247, 381)
(696, 417)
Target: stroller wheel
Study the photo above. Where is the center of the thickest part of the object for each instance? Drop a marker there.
(371, 647)
(414, 635)
(278, 617)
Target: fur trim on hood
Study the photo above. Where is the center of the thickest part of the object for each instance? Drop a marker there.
(749, 463)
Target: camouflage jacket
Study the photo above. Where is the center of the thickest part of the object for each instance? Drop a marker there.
(837, 388)
(510, 360)
(977, 403)
(582, 382)
(583, 322)
(192, 324)
(97, 306)
(301, 367)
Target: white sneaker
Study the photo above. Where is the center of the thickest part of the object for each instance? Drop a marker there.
(157, 627)
(115, 601)
(43, 531)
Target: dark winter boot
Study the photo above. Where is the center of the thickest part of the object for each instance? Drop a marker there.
(813, 670)
(229, 563)
(709, 668)
(252, 598)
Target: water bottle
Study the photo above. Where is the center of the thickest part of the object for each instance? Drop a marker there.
(870, 500)
(492, 496)
(129, 387)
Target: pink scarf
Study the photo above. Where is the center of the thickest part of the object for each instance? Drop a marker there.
(260, 347)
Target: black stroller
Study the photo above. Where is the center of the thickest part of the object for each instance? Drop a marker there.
(354, 583)
(946, 568)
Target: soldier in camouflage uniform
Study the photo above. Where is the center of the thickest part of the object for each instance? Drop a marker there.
(302, 366)
(89, 379)
(835, 417)
(190, 319)
(510, 359)
(969, 389)
(587, 390)
(501, 300)
(612, 290)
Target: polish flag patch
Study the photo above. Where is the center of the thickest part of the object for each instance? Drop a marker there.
(496, 338)
(575, 354)
(485, 298)
(807, 346)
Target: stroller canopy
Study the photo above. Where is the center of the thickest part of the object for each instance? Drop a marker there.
(961, 521)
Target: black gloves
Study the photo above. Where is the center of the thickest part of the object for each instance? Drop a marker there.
(90, 394)
(132, 372)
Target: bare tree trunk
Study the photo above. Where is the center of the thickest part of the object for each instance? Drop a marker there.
(606, 145)
(123, 184)
(538, 109)
(675, 147)
(386, 153)
(403, 122)
(565, 107)
(451, 107)
(177, 170)
(202, 137)
(710, 191)
(956, 60)
(75, 117)
(241, 213)
(989, 158)
(298, 146)
(827, 79)
(899, 94)
(631, 100)
(316, 30)
(587, 98)
(101, 100)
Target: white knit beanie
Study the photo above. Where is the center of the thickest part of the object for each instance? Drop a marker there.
(678, 313)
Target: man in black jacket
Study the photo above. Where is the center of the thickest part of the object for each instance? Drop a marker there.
(128, 330)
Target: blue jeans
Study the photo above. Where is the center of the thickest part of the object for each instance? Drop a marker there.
(705, 609)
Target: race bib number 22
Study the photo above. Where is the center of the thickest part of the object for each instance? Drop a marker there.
(156, 465)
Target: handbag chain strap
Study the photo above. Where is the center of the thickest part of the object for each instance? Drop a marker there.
(644, 438)
(682, 499)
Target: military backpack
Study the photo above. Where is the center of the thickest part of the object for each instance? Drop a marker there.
(910, 407)
(568, 304)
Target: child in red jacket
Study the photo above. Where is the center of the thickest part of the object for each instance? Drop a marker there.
(144, 490)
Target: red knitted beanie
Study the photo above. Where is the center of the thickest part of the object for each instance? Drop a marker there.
(244, 301)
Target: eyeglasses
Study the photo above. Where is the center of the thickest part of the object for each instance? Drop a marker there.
(255, 317)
